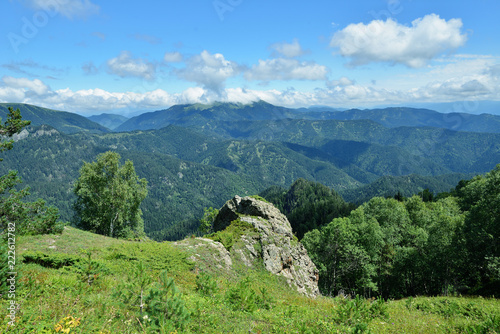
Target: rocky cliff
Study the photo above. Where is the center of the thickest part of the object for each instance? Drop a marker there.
(274, 243)
(254, 233)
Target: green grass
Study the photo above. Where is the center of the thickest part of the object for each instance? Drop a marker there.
(241, 301)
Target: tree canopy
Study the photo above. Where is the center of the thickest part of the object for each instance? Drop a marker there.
(27, 217)
(109, 196)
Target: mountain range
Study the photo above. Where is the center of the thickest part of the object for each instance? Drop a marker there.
(199, 114)
(196, 156)
(64, 121)
(110, 121)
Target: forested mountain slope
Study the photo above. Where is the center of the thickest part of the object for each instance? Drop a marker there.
(199, 114)
(110, 121)
(49, 161)
(204, 161)
(63, 121)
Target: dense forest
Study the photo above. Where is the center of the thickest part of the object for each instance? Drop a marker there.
(411, 241)
(398, 247)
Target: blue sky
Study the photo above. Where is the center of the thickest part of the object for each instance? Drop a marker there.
(91, 56)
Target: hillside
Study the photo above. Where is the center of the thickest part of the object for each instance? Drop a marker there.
(211, 283)
(188, 170)
(49, 161)
(461, 152)
(110, 121)
(415, 117)
(63, 121)
(199, 115)
(408, 185)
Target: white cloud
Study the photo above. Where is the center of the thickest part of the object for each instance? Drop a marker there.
(172, 57)
(389, 41)
(36, 85)
(126, 66)
(343, 81)
(286, 69)
(288, 50)
(457, 78)
(210, 71)
(68, 8)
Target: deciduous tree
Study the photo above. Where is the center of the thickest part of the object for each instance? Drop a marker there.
(109, 196)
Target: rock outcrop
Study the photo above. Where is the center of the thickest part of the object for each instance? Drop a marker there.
(281, 252)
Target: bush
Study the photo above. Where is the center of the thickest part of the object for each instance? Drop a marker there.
(243, 298)
(54, 261)
(232, 233)
(206, 284)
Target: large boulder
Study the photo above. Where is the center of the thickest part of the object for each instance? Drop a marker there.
(281, 252)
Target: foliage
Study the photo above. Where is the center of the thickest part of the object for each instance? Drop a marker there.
(63, 121)
(231, 234)
(66, 324)
(165, 304)
(133, 291)
(55, 261)
(353, 312)
(308, 205)
(206, 284)
(24, 217)
(207, 221)
(12, 125)
(391, 248)
(242, 297)
(49, 295)
(109, 197)
(27, 217)
(88, 269)
(481, 199)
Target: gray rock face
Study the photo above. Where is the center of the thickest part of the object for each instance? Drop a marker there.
(281, 252)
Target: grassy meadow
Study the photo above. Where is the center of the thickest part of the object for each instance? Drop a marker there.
(62, 289)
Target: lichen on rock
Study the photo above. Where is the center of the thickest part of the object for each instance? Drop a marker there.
(275, 244)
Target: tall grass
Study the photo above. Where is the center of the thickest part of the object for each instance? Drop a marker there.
(52, 297)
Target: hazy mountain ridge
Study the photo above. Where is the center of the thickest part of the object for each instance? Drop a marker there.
(64, 121)
(110, 121)
(202, 162)
(199, 115)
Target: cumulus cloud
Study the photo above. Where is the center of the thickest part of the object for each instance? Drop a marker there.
(173, 57)
(286, 69)
(68, 8)
(126, 66)
(27, 85)
(288, 50)
(389, 41)
(343, 81)
(209, 70)
(457, 78)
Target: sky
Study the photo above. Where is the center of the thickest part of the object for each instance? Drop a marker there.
(90, 56)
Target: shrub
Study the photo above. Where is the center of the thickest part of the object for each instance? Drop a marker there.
(206, 284)
(232, 233)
